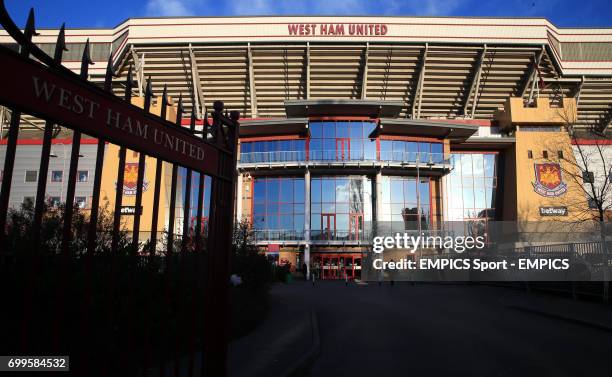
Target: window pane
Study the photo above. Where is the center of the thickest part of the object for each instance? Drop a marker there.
(286, 190)
(356, 130)
(329, 129)
(272, 190)
(397, 191)
(368, 127)
(31, 175)
(410, 190)
(342, 129)
(57, 176)
(315, 190)
(369, 147)
(316, 129)
(489, 161)
(260, 190)
(328, 188)
(82, 175)
(298, 190)
(478, 165)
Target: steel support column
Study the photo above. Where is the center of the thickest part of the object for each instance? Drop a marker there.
(475, 85)
(139, 68)
(307, 70)
(364, 71)
(307, 222)
(532, 72)
(252, 90)
(198, 94)
(415, 106)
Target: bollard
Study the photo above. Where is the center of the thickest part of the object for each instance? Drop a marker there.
(313, 280)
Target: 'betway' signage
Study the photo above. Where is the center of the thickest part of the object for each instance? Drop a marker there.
(553, 211)
(344, 29)
(70, 102)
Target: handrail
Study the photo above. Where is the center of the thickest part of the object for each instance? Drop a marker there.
(332, 155)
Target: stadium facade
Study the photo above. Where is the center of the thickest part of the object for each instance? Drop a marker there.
(355, 124)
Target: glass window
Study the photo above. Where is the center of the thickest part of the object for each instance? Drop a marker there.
(80, 201)
(386, 150)
(369, 149)
(356, 130)
(342, 129)
(54, 201)
(298, 190)
(273, 151)
(472, 186)
(328, 187)
(82, 176)
(341, 199)
(489, 165)
(279, 206)
(339, 141)
(437, 151)
(31, 176)
(400, 206)
(57, 176)
(316, 129)
(329, 130)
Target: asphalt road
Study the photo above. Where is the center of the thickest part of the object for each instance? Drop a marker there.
(444, 330)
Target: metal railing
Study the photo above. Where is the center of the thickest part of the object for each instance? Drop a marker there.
(340, 235)
(337, 156)
(278, 235)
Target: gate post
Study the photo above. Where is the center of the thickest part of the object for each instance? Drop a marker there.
(225, 131)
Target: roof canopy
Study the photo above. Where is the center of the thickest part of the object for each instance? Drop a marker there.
(343, 107)
(270, 127)
(425, 128)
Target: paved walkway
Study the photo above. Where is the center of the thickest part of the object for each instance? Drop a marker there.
(279, 343)
(446, 330)
(426, 330)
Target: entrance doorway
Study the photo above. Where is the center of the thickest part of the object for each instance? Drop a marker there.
(336, 266)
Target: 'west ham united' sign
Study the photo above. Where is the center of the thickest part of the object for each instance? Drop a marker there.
(50, 94)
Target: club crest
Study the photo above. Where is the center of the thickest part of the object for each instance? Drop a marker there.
(548, 180)
(130, 179)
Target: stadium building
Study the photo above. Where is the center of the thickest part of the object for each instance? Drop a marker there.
(356, 125)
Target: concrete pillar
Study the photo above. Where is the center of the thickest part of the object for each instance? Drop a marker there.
(307, 222)
(239, 189)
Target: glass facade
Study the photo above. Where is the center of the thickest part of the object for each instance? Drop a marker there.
(399, 204)
(341, 208)
(342, 141)
(273, 151)
(278, 207)
(411, 151)
(471, 187)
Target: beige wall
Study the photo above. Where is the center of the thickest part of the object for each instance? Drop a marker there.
(109, 179)
(528, 200)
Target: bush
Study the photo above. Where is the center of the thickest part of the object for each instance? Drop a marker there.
(115, 313)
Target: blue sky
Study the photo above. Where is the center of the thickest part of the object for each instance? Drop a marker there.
(108, 13)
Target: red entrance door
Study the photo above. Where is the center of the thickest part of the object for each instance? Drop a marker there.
(356, 226)
(328, 225)
(343, 148)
